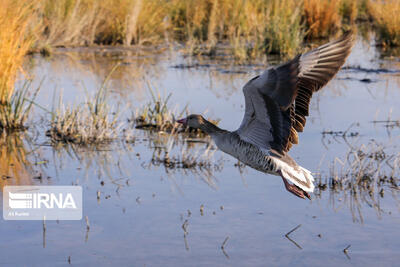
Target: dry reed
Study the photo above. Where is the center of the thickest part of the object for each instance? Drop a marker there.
(17, 35)
(16, 38)
(322, 17)
(362, 176)
(251, 28)
(348, 9)
(386, 18)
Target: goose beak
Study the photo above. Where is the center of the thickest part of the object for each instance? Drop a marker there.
(183, 121)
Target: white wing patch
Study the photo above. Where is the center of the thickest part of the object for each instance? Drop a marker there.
(297, 175)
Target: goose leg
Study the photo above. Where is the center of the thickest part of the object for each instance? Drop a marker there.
(295, 190)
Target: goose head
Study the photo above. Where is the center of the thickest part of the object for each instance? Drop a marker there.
(194, 121)
(198, 122)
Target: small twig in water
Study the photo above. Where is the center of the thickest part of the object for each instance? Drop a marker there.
(184, 226)
(186, 242)
(87, 222)
(44, 231)
(224, 243)
(87, 228)
(294, 242)
(294, 229)
(345, 250)
(223, 247)
(291, 240)
(44, 223)
(185, 233)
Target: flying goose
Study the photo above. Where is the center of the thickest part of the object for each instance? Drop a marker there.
(276, 106)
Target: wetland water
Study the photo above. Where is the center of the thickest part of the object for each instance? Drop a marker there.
(152, 215)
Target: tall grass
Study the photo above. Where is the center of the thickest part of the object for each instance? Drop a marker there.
(321, 17)
(85, 22)
(17, 35)
(284, 33)
(348, 9)
(387, 20)
(250, 27)
(70, 22)
(15, 41)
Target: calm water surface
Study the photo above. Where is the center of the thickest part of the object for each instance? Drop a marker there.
(138, 219)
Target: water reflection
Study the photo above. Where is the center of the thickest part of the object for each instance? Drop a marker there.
(84, 70)
(193, 157)
(363, 177)
(105, 161)
(17, 159)
(89, 66)
(153, 151)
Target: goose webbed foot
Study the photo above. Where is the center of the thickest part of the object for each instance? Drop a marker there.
(295, 190)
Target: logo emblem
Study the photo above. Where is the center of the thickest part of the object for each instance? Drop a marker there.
(39, 202)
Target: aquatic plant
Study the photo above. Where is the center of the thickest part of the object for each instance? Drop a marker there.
(83, 125)
(16, 110)
(155, 115)
(363, 175)
(89, 123)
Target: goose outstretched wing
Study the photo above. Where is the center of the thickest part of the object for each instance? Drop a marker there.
(277, 101)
